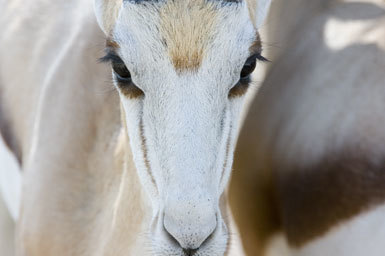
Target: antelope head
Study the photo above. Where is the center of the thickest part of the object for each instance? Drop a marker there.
(181, 68)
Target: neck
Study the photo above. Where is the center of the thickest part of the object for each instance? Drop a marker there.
(131, 213)
(123, 212)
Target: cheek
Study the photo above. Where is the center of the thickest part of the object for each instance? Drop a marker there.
(133, 109)
(235, 106)
(237, 110)
(133, 113)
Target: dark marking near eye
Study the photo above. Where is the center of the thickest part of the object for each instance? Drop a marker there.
(131, 91)
(245, 78)
(256, 54)
(256, 46)
(240, 88)
(110, 43)
(121, 73)
(110, 56)
(111, 47)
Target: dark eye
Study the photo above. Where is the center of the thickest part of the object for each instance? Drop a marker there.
(241, 87)
(249, 67)
(121, 72)
(123, 77)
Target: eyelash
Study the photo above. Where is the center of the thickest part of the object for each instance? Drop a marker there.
(241, 87)
(122, 76)
(259, 57)
(132, 91)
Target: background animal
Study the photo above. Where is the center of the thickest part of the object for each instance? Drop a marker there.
(309, 169)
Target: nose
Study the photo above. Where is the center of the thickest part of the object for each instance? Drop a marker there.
(190, 252)
(190, 227)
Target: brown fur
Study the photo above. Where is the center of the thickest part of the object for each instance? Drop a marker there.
(187, 27)
(131, 91)
(338, 187)
(310, 156)
(252, 197)
(238, 90)
(256, 46)
(110, 43)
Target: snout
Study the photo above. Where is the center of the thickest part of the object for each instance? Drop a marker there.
(190, 225)
(189, 228)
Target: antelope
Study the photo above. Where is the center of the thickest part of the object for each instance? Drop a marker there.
(309, 177)
(138, 172)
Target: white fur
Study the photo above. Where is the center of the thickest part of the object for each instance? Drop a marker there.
(188, 122)
(10, 180)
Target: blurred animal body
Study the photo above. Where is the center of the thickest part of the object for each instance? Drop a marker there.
(137, 172)
(309, 174)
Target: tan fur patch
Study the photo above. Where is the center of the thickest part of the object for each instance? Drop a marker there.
(131, 91)
(110, 43)
(256, 46)
(187, 27)
(336, 189)
(238, 90)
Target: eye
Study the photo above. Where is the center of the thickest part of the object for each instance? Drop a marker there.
(121, 72)
(122, 75)
(249, 67)
(124, 81)
(241, 87)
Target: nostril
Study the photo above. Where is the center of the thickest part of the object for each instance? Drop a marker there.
(189, 233)
(190, 252)
(189, 241)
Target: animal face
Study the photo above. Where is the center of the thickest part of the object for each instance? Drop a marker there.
(181, 68)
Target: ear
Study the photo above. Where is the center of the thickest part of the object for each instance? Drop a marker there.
(107, 12)
(258, 10)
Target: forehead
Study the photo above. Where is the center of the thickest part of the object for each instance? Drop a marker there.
(184, 32)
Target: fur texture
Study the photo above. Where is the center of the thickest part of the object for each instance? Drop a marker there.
(314, 162)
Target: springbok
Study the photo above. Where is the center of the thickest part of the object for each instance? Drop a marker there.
(140, 172)
(310, 180)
